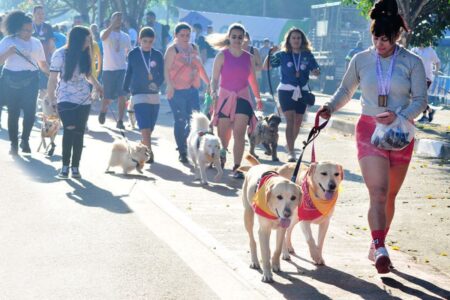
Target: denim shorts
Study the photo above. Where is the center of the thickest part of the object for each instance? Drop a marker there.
(113, 84)
(146, 115)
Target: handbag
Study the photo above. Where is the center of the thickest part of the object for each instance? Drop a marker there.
(308, 97)
(19, 79)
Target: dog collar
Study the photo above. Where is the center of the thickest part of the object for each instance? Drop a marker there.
(259, 201)
(312, 207)
(200, 134)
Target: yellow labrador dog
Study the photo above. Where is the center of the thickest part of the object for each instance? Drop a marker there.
(274, 199)
(320, 184)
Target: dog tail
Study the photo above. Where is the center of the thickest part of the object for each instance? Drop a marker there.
(252, 160)
(199, 122)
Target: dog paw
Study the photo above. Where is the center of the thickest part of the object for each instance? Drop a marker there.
(290, 249)
(286, 256)
(267, 278)
(276, 268)
(275, 159)
(255, 266)
(268, 152)
(317, 258)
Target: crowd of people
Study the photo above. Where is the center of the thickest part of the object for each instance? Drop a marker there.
(119, 60)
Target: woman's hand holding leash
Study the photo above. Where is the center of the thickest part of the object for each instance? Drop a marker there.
(259, 104)
(324, 112)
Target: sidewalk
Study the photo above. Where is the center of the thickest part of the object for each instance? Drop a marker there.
(432, 139)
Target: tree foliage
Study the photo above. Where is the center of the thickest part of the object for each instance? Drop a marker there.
(427, 19)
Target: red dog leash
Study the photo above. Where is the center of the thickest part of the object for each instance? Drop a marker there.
(313, 134)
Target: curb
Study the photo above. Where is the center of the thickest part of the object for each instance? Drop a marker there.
(423, 147)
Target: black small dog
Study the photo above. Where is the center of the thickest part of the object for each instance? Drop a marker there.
(266, 133)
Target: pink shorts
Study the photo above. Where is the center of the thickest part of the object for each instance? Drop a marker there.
(364, 130)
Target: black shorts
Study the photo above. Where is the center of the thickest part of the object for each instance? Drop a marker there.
(287, 104)
(242, 107)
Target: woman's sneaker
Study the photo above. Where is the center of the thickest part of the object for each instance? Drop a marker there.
(237, 174)
(291, 156)
(64, 172)
(223, 157)
(382, 260)
(76, 172)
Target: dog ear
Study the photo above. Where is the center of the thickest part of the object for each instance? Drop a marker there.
(341, 171)
(311, 171)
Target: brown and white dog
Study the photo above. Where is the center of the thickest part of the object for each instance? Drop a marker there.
(266, 133)
(129, 156)
(49, 129)
(274, 199)
(320, 184)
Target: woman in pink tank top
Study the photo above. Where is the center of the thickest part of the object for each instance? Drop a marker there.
(183, 70)
(233, 109)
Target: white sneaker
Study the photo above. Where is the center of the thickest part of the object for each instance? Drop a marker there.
(292, 157)
(382, 260)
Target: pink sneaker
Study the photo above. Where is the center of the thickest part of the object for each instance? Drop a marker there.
(382, 261)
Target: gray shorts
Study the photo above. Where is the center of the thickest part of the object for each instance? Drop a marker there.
(113, 84)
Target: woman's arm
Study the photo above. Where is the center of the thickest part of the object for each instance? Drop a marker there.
(254, 85)
(11, 50)
(44, 67)
(217, 66)
(92, 80)
(51, 87)
(419, 90)
(169, 58)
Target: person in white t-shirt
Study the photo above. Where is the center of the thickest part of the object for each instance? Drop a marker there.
(116, 45)
(23, 56)
(432, 64)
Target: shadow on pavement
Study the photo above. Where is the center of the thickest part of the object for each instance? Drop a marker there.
(88, 194)
(391, 282)
(349, 176)
(36, 169)
(424, 284)
(342, 280)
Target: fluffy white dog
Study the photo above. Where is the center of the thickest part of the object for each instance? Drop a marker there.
(203, 148)
(130, 156)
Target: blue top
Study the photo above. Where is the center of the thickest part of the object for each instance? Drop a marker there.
(136, 78)
(60, 39)
(286, 62)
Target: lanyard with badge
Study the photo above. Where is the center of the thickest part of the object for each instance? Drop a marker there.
(148, 67)
(297, 64)
(384, 83)
(40, 32)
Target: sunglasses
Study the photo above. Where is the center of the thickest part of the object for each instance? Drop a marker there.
(239, 37)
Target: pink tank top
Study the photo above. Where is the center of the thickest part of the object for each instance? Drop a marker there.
(235, 71)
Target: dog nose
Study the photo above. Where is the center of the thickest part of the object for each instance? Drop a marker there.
(332, 185)
(287, 213)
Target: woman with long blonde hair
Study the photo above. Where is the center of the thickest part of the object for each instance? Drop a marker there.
(233, 109)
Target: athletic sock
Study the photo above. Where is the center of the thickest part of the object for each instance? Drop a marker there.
(378, 237)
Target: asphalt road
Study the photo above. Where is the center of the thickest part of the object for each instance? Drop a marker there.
(163, 236)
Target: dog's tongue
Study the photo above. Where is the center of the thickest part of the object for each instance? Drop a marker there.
(329, 195)
(285, 222)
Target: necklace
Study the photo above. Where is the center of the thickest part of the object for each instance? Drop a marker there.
(40, 32)
(384, 83)
(147, 65)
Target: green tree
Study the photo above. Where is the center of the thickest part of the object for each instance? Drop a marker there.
(427, 19)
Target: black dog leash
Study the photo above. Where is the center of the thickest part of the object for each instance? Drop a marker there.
(313, 134)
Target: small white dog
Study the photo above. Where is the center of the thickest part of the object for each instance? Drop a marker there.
(320, 184)
(49, 129)
(203, 148)
(128, 156)
(274, 199)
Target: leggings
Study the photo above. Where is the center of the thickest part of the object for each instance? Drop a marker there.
(74, 118)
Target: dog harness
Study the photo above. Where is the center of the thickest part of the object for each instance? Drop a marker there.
(312, 207)
(200, 134)
(259, 202)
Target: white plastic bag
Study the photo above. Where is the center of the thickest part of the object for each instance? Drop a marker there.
(395, 136)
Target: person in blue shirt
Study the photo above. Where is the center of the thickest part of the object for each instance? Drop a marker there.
(60, 38)
(143, 78)
(296, 62)
(353, 52)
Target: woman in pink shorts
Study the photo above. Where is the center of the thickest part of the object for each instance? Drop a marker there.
(392, 81)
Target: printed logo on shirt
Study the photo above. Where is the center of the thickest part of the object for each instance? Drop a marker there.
(153, 64)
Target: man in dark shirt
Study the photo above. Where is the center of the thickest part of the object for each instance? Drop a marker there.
(43, 32)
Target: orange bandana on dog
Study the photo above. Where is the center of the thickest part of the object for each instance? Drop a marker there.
(259, 202)
(312, 207)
